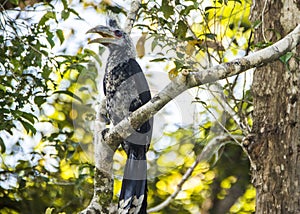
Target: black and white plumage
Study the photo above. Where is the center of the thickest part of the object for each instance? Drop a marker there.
(126, 90)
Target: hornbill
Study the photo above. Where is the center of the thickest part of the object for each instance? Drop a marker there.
(126, 89)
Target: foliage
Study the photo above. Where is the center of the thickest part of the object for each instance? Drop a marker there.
(42, 94)
(50, 98)
(203, 35)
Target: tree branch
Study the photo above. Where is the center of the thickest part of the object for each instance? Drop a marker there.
(192, 79)
(131, 15)
(103, 180)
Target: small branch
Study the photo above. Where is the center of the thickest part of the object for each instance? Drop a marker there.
(209, 150)
(131, 15)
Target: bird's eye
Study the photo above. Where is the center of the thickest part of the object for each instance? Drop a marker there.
(118, 33)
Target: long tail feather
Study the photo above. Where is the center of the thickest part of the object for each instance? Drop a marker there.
(133, 197)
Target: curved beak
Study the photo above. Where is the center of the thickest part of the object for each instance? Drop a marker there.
(108, 37)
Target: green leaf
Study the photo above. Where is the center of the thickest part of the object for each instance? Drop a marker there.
(154, 43)
(15, 2)
(65, 3)
(2, 146)
(210, 8)
(46, 17)
(187, 10)
(180, 55)
(39, 100)
(263, 44)
(210, 35)
(115, 9)
(167, 9)
(65, 14)
(75, 13)
(50, 40)
(3, 88)
(159, 59)
(46, 73)
(285, 58)
(60, 35)
(180, 30)
(70, 94)
(28, 127)
(45, 53)
(28, 116)
(178, 64)
(49, 210)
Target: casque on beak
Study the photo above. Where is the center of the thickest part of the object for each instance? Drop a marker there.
(108, 36)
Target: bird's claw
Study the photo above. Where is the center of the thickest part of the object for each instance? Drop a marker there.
(104, 132)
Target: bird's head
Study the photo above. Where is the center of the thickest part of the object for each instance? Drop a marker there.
(112, 35)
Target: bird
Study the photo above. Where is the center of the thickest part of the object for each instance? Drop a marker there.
(126, 89)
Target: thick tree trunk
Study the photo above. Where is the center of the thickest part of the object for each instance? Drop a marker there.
(276, 122)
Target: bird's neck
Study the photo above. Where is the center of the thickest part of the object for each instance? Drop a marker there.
(118, 56)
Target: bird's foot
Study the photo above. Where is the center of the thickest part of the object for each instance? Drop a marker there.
(104, 132)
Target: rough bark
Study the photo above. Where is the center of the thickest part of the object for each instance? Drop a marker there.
(275, 148)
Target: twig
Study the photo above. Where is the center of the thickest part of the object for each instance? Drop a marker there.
(206, 154)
